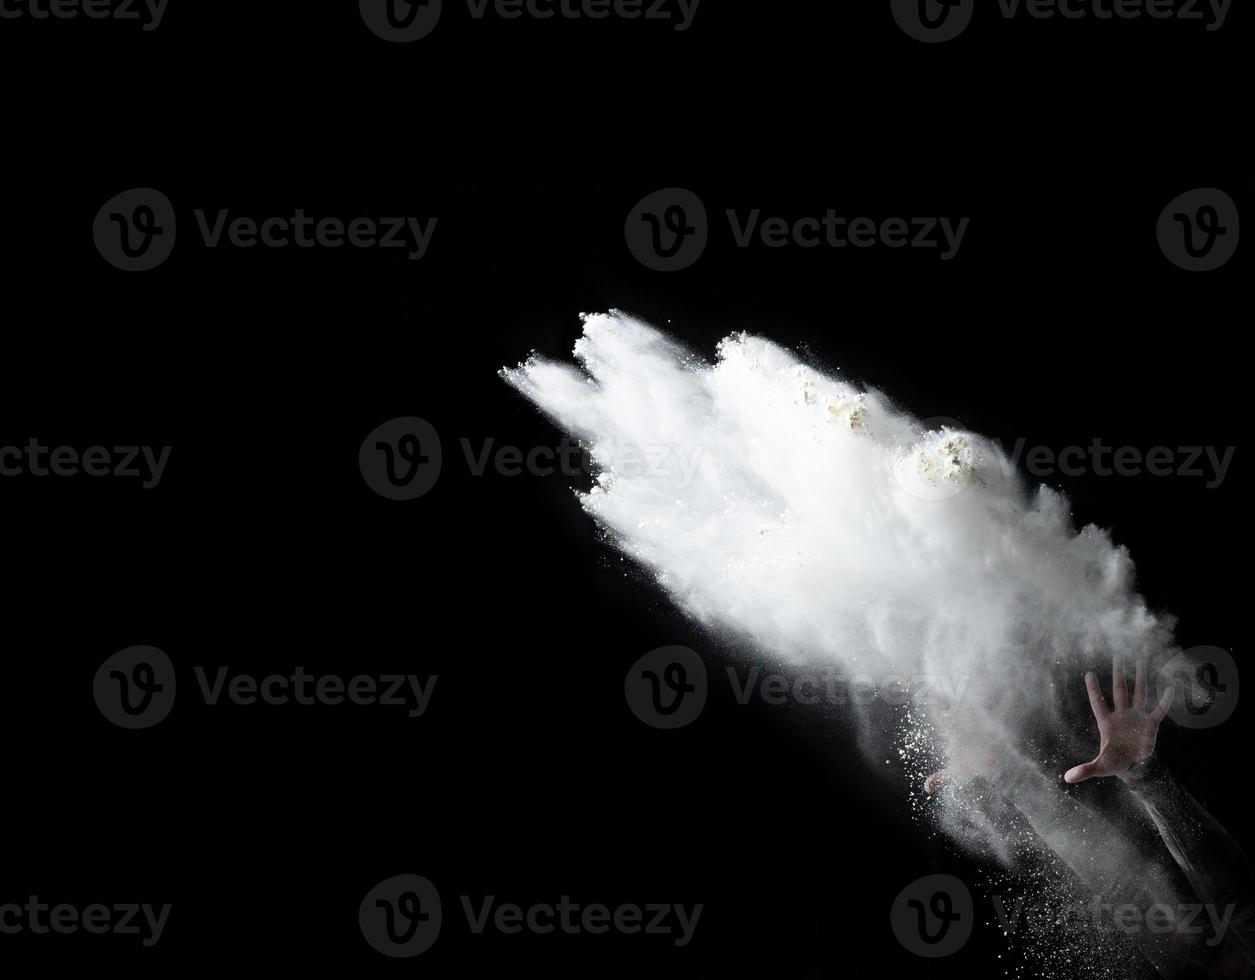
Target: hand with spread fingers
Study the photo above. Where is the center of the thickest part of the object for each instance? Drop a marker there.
(1126, 730)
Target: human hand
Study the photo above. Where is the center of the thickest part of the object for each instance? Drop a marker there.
(1126, 731)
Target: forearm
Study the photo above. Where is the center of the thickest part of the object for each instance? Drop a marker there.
(1210, 858)
(1118, 875)
(1106, 863)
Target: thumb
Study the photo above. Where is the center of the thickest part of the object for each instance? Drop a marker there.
(1078, 774)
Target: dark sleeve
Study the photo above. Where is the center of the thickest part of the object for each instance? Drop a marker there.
(1213, 862)
(1108, 864)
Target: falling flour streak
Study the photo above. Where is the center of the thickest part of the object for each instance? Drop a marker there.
(822, 525)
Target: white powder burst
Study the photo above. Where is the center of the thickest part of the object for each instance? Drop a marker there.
(823, 524)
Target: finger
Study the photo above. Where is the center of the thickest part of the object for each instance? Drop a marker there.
(1139, 686)
(1119, 690)
(1096, 702)
(933, 782)
(1078, 774)
(1165, 702)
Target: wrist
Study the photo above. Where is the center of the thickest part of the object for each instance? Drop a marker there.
(1147, 769)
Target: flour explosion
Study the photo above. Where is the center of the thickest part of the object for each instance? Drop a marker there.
(820, 524)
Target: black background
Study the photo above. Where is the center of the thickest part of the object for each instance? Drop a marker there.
(1059, 322)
